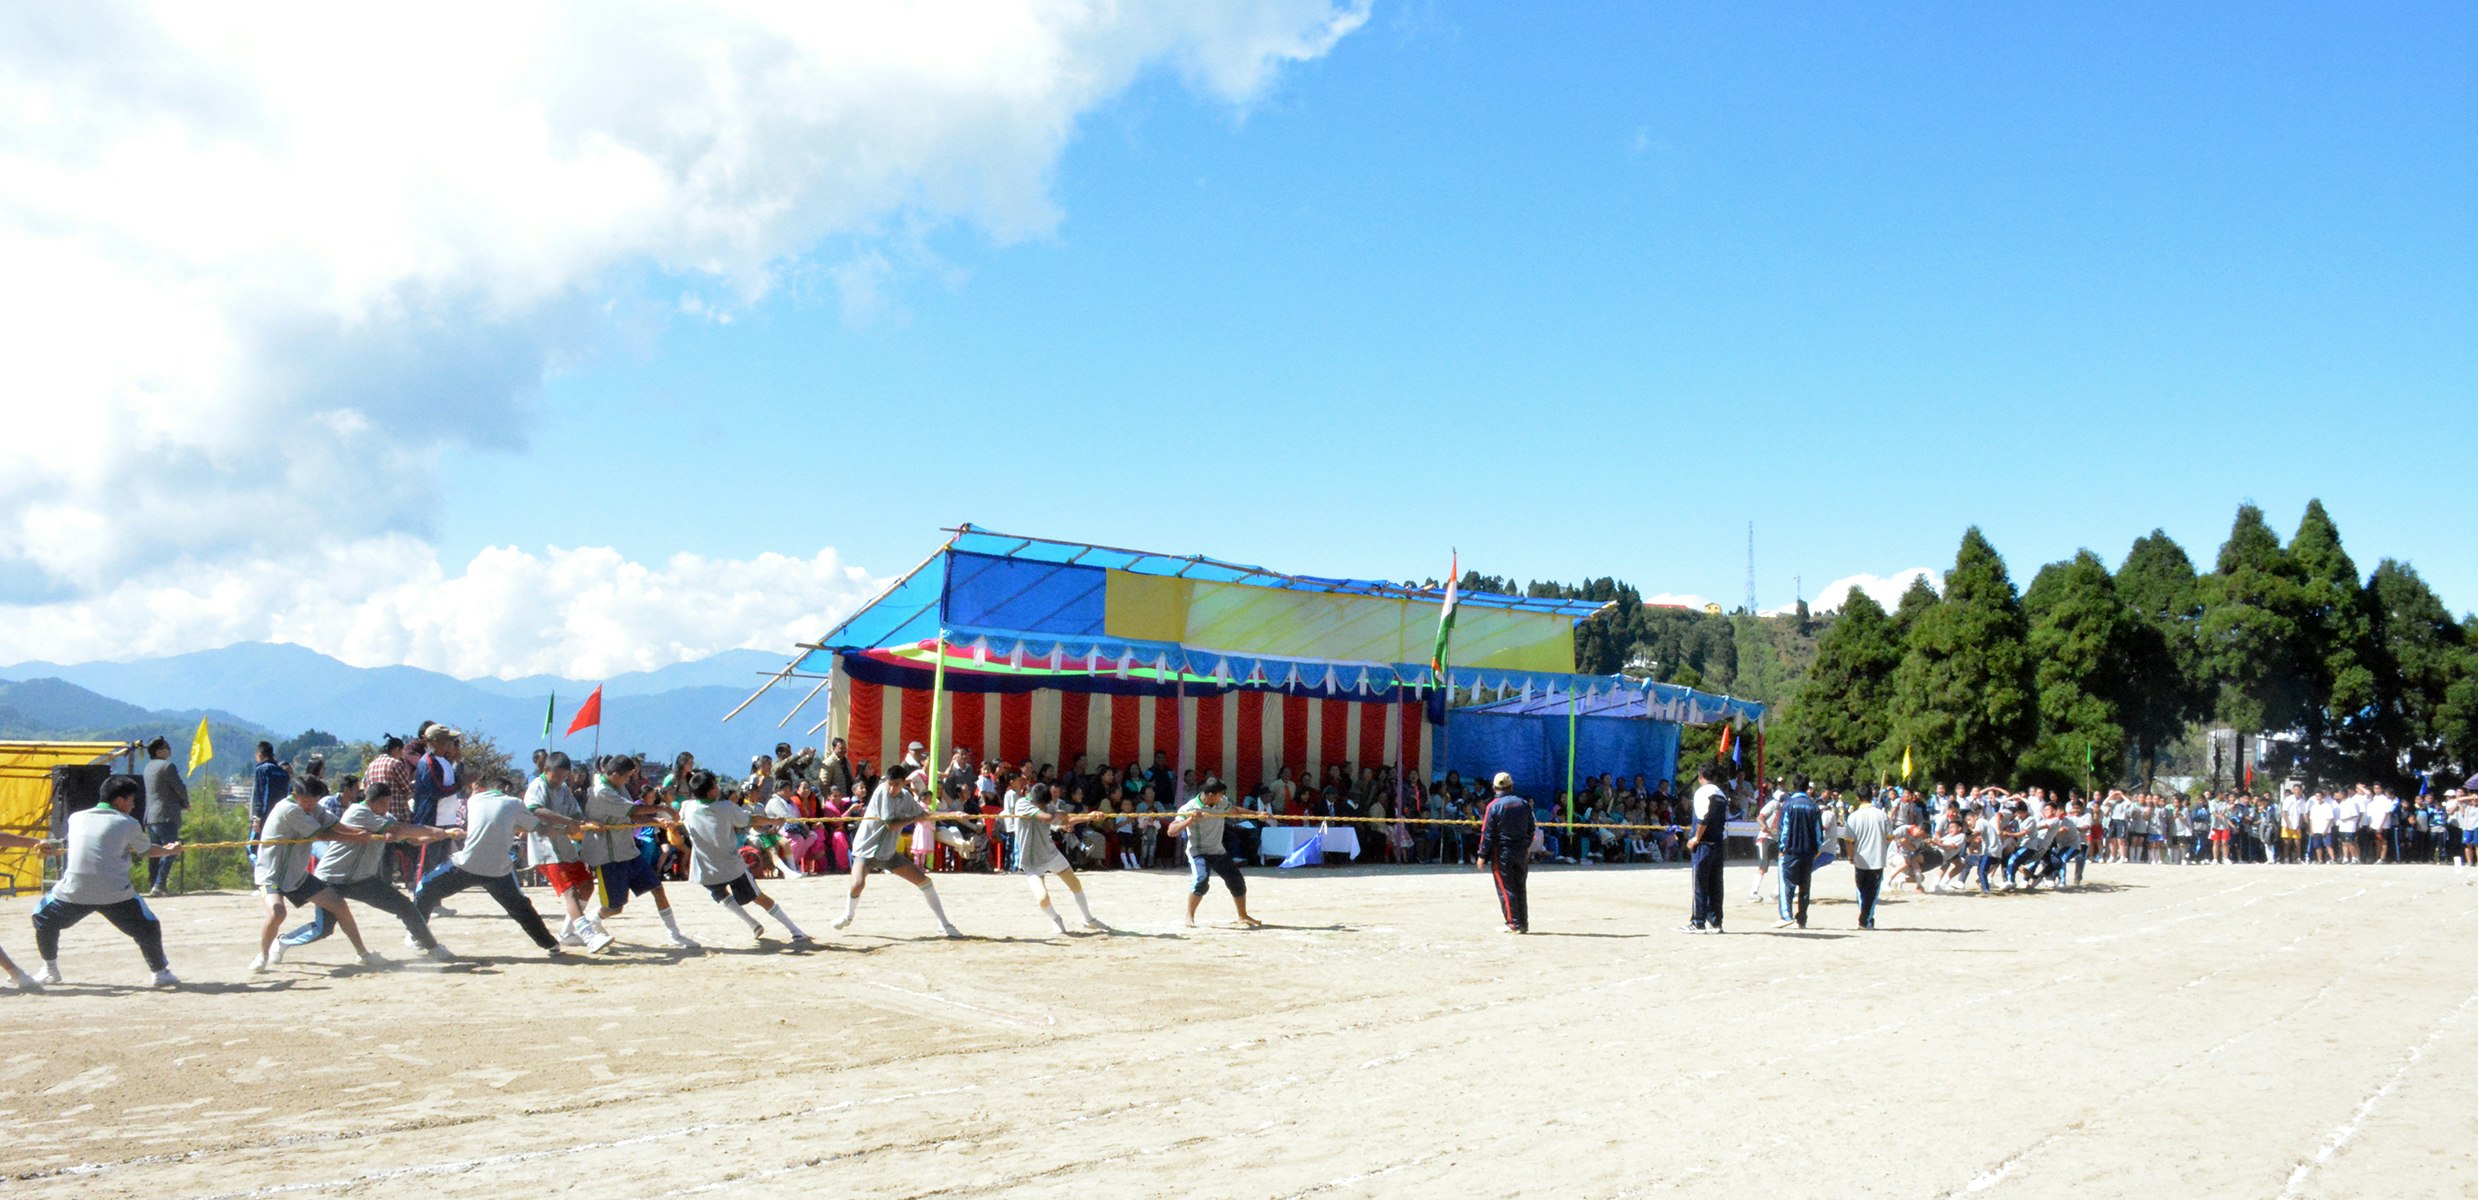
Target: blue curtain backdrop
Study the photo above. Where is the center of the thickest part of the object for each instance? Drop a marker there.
(1533, 748)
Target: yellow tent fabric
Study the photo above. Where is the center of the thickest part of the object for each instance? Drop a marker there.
(1240, 618)
(26, 799)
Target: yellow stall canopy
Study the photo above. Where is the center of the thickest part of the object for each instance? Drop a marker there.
(26, 798)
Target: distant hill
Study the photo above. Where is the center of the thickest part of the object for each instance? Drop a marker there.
(286, 689)
(56, 710)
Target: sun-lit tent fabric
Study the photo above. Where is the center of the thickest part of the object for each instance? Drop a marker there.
(26, 798)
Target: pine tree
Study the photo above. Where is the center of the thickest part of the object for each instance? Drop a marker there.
(2083, 640)
(2253, 631)
(2429, 651)
(1965, 696)
(2352, 702)
(2164, 690)
(1916, 599)
(1842, 714)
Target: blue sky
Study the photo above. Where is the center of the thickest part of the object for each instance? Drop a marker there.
(1585, 291)
(1580, 290)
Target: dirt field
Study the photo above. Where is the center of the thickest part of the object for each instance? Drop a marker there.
(2256, 1031)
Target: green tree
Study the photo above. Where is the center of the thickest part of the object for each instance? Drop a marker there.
(2429, 653)
(1916, 600)
(2351, 707)
(1965, 698)
(1842, 713)
(2083, 638)
(2164, 693)
(2253, 632)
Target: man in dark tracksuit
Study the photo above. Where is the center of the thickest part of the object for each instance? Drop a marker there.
(1709, 821)
(1801, 836)
(1506, 851)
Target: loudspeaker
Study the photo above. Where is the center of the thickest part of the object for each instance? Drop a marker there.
(76, 789)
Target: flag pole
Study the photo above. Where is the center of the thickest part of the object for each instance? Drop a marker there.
(597, 733)
(1570, 770)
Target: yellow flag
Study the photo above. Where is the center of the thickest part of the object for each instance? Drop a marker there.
(1905, 764)
(201, 748)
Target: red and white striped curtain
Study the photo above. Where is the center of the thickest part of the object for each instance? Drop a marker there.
(1242, 737)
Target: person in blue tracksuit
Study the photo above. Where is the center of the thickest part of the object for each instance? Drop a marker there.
(1506, 851)
(1802, 834)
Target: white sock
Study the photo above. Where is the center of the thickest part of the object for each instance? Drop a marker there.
(1083, 905)
(569, 926)
(929, 892)
(733, 907)
(851, 909)
(786, 918)
(670, 922)
(1051, 911)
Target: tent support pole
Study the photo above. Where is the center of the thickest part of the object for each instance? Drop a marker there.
(1570, 772)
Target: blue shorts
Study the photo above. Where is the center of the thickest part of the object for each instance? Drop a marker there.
(2469, 837)
(620, 880)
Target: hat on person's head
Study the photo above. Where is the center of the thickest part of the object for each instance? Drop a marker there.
(916, 746)
(1503, 782)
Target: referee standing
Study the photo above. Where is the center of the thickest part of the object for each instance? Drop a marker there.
(1506, 850)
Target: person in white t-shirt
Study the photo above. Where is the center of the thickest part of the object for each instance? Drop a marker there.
(2380, 809)
(2347, 811)
(714, 824)
(2465, 820)
(1029, 818)
(493, 818)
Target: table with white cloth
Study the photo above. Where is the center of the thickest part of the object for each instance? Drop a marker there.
(1278, 841)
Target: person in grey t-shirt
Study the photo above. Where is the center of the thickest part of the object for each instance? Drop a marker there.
(283, 871)
(167, 799)
(713, 823)
(357, 870)
(103, 841)
(877, 844)
(1201, 819)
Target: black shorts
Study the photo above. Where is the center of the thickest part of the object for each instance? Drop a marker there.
(301, 896)
(738, 889)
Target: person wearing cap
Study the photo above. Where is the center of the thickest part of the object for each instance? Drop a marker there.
(1506, 827)
(167, 798)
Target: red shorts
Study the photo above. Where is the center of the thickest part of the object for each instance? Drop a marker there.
(2219, 835)
(569, 877)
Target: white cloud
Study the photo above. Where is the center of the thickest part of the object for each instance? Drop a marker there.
(369, 231)
(1883, 589)
(586, 612)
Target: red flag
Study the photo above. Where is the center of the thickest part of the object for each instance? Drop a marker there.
(1722, 750)
(588, 714)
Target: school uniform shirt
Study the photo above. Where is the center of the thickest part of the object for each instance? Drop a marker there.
(103, 841)
(1866, 828)
(554, 845)
(1204, 837)
(880, 834)
(352, 862)
(607, 805)
(284, 867)
(492, 821)
(2345, 815)
(714, 840)
(1035, 852)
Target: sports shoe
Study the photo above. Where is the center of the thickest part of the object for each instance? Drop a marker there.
(598, 940)
(165, 978)
(372, 958)
(259, 965)
(681, 941)
(1785, 924)
(437, 953)
(275, 953)
(410, 944)
(1690, 928)
(24, 982)
(802, 939)
(48, 975)
(949, 931)
(556, 951)
(570, 938)
(840, 923)
(1094, 925)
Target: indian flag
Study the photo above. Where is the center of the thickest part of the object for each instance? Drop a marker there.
(1445, 621)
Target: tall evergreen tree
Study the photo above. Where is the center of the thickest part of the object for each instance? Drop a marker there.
(1842, 714)
(2351, 706)
(2082, 639)
(1916, 599)
(1965, 698)
(2253, 632)
(2430, 653)
(2164, 690)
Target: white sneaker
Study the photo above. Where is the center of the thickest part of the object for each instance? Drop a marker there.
(48, 975)
(802, 939)
(1785, 924)
(275, 953)
(570, 938)
(949, 931)
(165, 978)
(557, 951)
(598, 940)
(681, 941)
(841, 923)
(24, 982)
(258, 965)
(1094, 925)
(372, 958)
(410, 944)
(438, 953)
(757, 937)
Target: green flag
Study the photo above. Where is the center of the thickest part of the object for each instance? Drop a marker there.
(547, 710)
(1445, 622)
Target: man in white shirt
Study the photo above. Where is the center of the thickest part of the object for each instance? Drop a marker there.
(2380, 809)
(2347, 812)
(1709, 815)
(1866, 830)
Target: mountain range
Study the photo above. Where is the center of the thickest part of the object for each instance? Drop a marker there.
(287, 689)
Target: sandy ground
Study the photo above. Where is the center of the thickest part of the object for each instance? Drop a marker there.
(2255, 1031)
